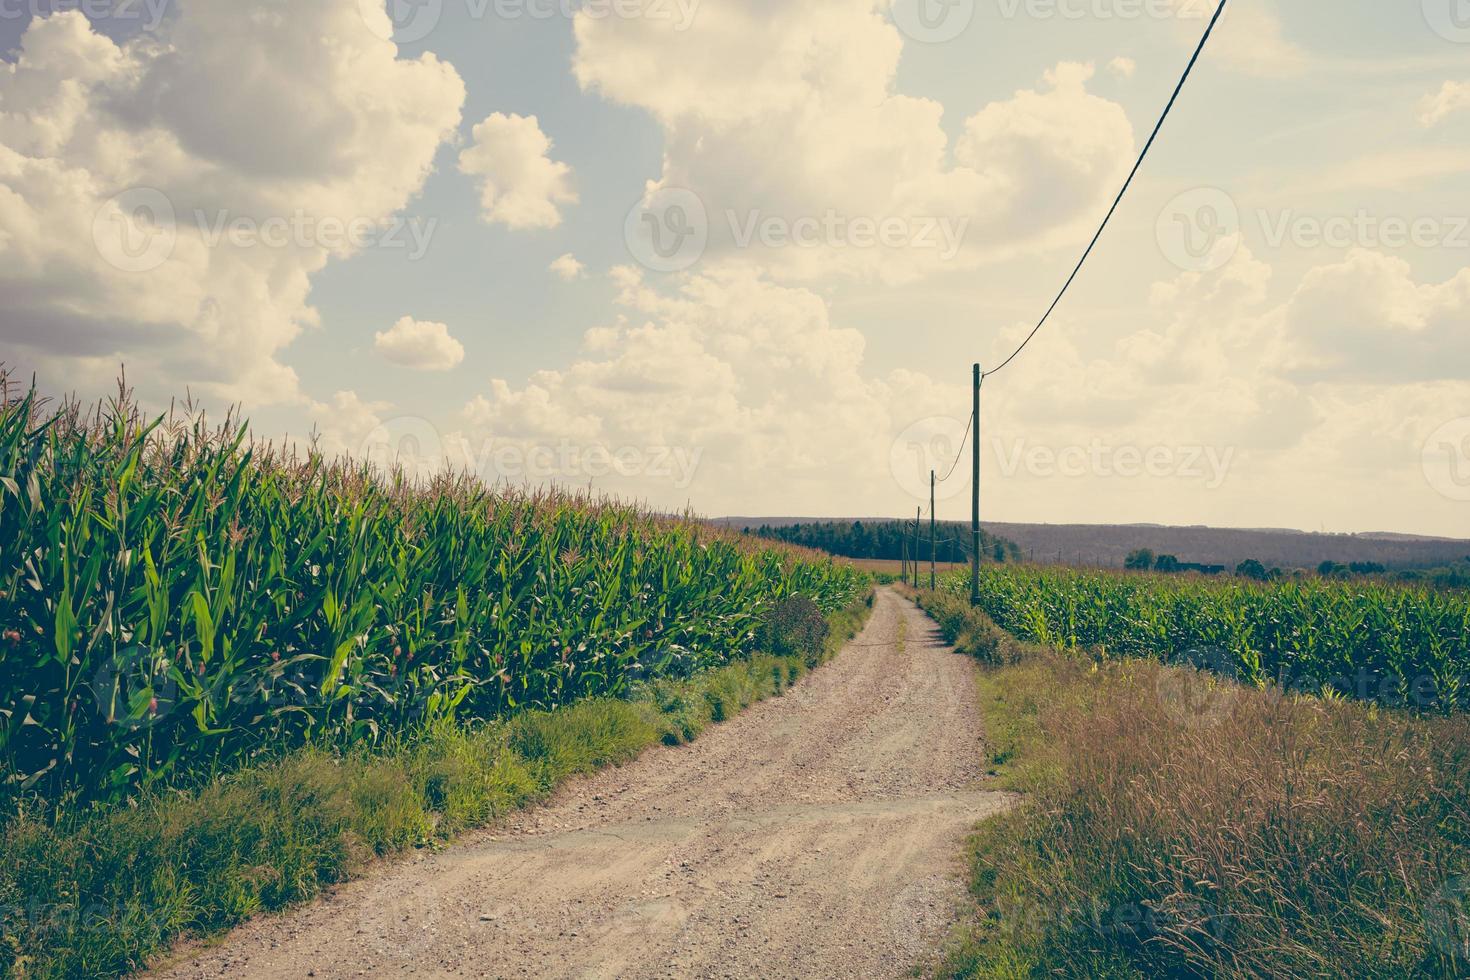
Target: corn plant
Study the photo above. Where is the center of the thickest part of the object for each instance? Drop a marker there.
(175, 601)
(1394, 644)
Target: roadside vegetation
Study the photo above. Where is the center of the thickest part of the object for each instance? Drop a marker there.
(176, 602)
(229, 676)
(97, 894)
(1397, 645)
(1176, 823)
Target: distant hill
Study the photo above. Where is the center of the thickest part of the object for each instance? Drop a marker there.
(1109, 544)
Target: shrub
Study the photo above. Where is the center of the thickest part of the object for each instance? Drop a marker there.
(796, 627)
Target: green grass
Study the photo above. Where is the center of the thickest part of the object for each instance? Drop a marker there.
(97, 895)
(1177, 824)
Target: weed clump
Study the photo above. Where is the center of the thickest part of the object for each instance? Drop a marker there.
(794, 627)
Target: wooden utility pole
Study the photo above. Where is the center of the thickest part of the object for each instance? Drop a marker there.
(975, 497)
(933, 556)
(918, 525)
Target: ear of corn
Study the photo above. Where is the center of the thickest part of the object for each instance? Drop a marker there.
(1396, 644)
(174, 602)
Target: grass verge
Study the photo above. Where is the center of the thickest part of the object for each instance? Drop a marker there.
(1176, 824)
(97, 895)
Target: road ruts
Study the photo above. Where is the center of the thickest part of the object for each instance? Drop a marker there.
(816, 835)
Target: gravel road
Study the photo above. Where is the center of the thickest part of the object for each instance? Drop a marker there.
(816, 835)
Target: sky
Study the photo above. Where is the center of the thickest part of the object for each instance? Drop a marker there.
(739, 256)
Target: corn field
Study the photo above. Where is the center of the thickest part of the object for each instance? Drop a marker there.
(1386, 643)
(175, 601)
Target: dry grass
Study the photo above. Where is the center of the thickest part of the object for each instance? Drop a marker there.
(1179, 825)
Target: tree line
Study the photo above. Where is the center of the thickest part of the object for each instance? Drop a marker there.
(885, 540)
(1450, 576)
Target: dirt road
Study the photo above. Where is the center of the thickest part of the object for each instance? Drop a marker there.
(816, 835)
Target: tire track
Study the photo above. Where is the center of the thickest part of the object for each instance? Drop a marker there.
(816, 835)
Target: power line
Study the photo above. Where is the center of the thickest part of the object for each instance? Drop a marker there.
(959, 455)
(1126, 184)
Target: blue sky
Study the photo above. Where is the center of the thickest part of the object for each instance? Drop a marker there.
(1280, 380)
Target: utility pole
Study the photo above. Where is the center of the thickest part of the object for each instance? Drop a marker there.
(975, 497)
(903, 551)
(933, 555)
(918, 525)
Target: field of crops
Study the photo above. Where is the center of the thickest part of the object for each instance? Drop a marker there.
(1392, 644)
(174, 602)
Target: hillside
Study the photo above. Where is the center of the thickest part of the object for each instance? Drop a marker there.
(1109, 544)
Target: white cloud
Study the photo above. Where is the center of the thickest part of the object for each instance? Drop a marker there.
(796, 118)
(1123, 67)
(520, 185)
(421, 345)
(1451, 98)
(1368, 319)
(744, 375)
(344, 424)
(1250, 38)
(1219, 361)
(568, 268)
(783, 411)
(210, 122)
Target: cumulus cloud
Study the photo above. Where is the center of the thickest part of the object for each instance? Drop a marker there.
(1240, 379)
(792, 123)
(1222, 360)
(520, 185)
(1123, 67)
(122, 167)
(1451, 98)
(568, 268)
(421, 345)
(748, 377)
(345, 423)
(1368, 319)
(1250, 39)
